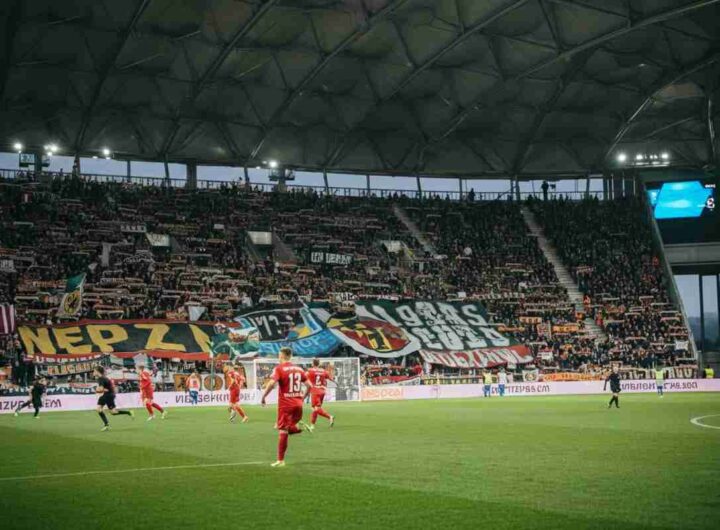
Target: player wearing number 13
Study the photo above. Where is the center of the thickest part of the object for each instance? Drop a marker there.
(292, 389)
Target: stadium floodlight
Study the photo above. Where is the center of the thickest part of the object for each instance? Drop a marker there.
(639, 157)
(18, 146)
(665, 156)
(622, 157)
(273, 164)
(106, 152)
(52, 148)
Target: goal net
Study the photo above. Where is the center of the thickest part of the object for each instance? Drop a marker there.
(345, 373)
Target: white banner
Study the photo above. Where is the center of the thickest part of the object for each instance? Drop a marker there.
(132, 400)
(7, 265)
(65, 402)
(105, 255)
(195, 312)
(553, 388)
(133, 228)
(261, 239)
(158, 240)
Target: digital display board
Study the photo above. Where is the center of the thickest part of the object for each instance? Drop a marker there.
(26, 159)
(687, 199)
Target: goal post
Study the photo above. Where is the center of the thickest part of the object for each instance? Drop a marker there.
(248, 369)
(345, 372)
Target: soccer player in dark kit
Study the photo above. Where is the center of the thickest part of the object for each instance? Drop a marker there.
(36, 394)
(614, 380)
(106, 389)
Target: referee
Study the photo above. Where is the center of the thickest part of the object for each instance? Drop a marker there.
(36, 394)
(106, 389)
(614, 380)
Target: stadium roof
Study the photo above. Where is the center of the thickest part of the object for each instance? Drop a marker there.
(435, 87)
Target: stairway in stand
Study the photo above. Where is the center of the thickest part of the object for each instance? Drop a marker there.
(561, 271)
(414, 230)
(282, 252)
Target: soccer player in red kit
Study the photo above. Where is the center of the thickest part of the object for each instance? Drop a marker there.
(290, 380)
(318, 378)
(237, 380)
(147, 392)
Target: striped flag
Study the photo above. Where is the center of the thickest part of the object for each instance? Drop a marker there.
(7, 319)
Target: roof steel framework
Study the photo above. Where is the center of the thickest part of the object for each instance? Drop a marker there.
(400, 87)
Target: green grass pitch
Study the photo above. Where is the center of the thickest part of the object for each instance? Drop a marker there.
(553, 462)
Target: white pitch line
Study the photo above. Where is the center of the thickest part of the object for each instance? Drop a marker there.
(696, 421)
(136, 470)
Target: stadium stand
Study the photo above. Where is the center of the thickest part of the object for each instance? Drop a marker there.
(484, 251)
(608, 247)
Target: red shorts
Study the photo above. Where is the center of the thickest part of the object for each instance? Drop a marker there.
(316, 400)
(146, 393)
(234, 395)
(288, 417)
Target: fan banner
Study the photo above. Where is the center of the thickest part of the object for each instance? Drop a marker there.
(388, 329)
(365, 333)
(292, 325)
(79, 340)
(486, 358)
(330, 258)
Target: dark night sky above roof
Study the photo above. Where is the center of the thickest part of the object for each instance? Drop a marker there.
(435, 87)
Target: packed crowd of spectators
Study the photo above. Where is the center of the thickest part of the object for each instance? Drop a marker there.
(152, 252)
(609, 250)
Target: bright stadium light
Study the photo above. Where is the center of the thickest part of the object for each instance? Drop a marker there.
(665, 156)
(639, 157)
(622, 157)
(18, 146)
(106, 152)
(52, 148)
(273, 164)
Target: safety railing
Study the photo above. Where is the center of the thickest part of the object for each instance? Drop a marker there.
(338, 191)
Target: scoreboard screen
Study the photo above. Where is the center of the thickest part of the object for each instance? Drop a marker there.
(687, 199)
(26, 159)
(685, 210)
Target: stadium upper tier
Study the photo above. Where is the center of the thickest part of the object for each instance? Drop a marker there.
(152, 252)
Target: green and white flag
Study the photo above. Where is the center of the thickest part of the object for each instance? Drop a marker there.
(71, 302)
(236, 343)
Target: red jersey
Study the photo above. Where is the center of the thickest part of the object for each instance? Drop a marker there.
(290, 389)
(146, 381)
(236, 380)
(318, 377)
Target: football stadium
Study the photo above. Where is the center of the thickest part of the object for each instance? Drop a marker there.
(359, 264)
